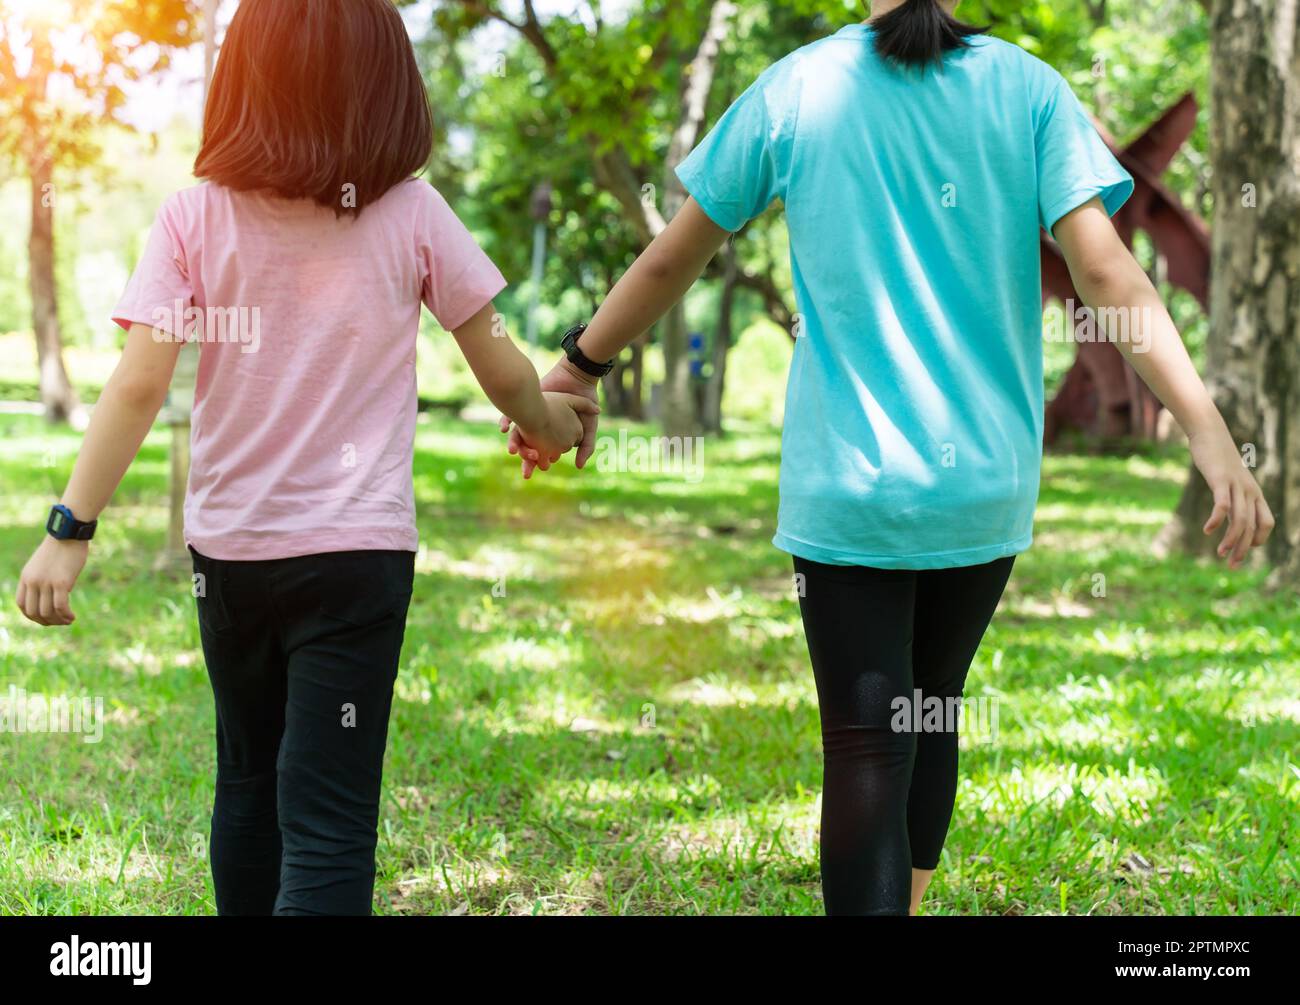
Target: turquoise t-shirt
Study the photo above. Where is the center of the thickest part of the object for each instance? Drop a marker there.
(914, 410)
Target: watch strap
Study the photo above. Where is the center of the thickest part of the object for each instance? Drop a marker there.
(580, 359)
(63, 526)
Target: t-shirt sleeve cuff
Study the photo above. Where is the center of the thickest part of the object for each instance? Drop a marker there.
(1114, 192)
(693, 181)
(471, 301)
(124, 317)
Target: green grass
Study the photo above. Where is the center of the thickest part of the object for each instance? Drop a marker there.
(632, 727)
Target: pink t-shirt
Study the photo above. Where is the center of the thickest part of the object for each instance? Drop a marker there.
(305, 403)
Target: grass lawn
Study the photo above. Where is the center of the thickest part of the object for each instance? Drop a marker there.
(626, 722)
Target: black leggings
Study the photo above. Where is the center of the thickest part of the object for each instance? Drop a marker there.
(302, 653)
(874, 636)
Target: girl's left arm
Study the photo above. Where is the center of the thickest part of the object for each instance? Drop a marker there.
(1109, 280)
(119, 422)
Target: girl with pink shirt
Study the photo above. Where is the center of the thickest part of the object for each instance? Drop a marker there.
(299, 266)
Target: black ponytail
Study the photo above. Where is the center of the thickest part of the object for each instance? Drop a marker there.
(919, 32)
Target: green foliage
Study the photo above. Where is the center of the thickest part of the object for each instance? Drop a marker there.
(62, 74)
(571, 86)
(129, 40)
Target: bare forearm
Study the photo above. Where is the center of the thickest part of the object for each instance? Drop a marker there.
(506, 375)
(119, 423)
(513, 388)
(1112, 283)
(1153, 347)
(645, 294)
(656, 280)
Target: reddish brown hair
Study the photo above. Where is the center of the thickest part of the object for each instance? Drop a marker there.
(311, 96)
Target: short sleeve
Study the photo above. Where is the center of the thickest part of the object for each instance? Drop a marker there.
(738, 168)
(457, 279)
(159, 290)
(1074, 163)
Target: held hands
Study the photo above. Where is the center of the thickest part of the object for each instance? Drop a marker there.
(567, 418)
(1237, 496)
(48, 578)
(577, 393)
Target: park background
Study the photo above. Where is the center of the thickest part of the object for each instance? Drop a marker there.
(604, 703)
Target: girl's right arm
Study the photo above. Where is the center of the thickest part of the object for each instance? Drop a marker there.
(119, 422)
(659, 277)
(1109, 279)
(549, 421)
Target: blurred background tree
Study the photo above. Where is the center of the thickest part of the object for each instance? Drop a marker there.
(63, 66)
(606, 99)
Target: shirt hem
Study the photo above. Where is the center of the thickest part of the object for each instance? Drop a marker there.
(267, 547)
(924, 560)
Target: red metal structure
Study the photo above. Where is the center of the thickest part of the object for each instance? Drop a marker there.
(1101, 394)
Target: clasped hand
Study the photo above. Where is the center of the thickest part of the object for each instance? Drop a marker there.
(571, 410)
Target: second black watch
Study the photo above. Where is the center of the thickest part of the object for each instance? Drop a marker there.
(63, 526)
(578, 358)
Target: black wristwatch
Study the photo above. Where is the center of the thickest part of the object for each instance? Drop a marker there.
(576, 355)
(63, 526)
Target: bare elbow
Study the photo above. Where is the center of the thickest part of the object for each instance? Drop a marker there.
(1101, 264)
(141, 393)
(656, 265)
(1101, 275)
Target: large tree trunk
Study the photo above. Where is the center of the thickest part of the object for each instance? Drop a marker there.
(57, 394)
(1253, 356)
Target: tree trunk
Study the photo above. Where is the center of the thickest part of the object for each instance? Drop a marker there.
(612, 386)
(636, 393)
(57, 394)
(721, 343)
(1253, 355)
(678, 408)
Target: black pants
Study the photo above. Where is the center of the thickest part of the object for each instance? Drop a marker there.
(876, 636)
(302, 654)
